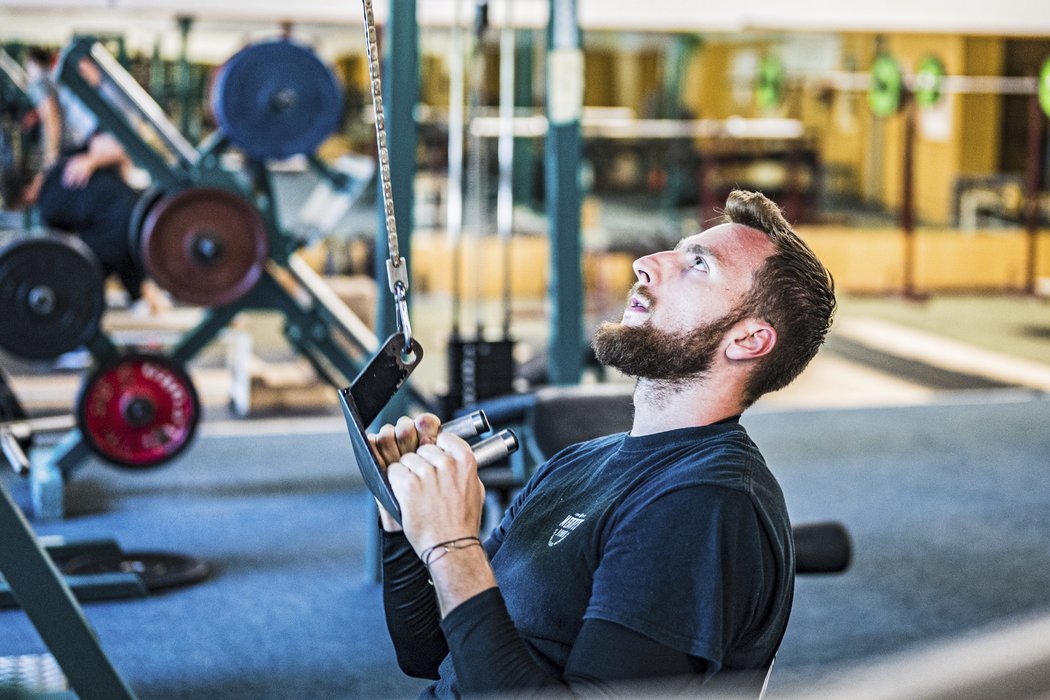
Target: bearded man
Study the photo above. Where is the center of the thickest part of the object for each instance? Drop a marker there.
(654, 561)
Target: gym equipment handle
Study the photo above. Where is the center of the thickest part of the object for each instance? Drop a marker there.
(821, 548)
(492, 449)
(14, 433)
(468, 426)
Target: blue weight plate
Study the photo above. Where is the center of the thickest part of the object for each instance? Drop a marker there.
(276, 99)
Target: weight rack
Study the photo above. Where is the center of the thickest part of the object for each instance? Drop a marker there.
(318, 324)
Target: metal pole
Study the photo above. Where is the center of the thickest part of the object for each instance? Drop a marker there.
(1033, 180)
(184, 87)
(456, 119)
(524, 157)
(907, 215)
(562, 154)
(401, 93)
(45, 597)
(505, 158)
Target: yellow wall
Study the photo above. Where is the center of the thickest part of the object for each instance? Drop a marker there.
(945, 260)
(980, 115)
(863, 261)
(599, 84)
(959, 137)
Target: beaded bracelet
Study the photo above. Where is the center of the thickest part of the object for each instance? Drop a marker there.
(447, 547)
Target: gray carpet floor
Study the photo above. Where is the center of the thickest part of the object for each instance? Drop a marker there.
(948, 507)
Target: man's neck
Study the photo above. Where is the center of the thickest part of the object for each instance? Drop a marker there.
(662, 405)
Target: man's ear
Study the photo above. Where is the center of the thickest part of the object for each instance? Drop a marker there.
(751, 339)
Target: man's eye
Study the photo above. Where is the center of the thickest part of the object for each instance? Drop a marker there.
(699, 263)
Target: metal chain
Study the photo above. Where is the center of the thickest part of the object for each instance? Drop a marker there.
(396, 271)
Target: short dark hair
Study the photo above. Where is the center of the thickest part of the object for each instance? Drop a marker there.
(792, 291)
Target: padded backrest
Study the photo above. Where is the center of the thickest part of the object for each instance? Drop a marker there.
(562, 416)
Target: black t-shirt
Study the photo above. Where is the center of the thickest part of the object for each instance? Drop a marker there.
(681, 537)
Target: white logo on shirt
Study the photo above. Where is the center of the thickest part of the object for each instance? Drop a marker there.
(566, 526)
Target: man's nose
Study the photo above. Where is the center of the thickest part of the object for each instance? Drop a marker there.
(647, 268)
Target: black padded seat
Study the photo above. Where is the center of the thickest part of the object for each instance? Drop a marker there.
(564, 415)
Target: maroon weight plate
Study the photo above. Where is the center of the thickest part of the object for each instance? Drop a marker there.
(139, 411)
(205, 245)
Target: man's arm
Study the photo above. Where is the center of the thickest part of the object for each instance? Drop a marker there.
(607, 659)
(103, 151)
(411, 609)
(51, 125)
(409, 602)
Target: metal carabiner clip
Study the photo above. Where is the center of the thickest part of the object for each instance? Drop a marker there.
(401, 313)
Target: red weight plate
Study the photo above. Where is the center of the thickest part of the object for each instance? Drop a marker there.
(140, 411)
(205, 245)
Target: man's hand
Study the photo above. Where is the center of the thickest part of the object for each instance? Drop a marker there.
(78, 171)
(434, 477)
(405, 437)
(439, 491)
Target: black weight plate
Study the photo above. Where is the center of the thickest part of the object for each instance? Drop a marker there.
(276, 99)
(51, 296)
(158, 570)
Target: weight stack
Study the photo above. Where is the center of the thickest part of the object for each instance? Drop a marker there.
(478, 369)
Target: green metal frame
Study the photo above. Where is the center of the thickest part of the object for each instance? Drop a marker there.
(563, 149)
(36, 584)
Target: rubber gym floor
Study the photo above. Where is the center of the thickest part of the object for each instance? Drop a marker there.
(921, 428)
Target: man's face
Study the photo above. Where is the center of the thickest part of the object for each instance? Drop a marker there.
(684, 304)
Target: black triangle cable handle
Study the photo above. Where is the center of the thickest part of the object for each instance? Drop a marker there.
(370, 392)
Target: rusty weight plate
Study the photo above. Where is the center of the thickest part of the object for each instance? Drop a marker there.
(205, 245)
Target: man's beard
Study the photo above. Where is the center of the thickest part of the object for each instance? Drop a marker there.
(650, 353)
